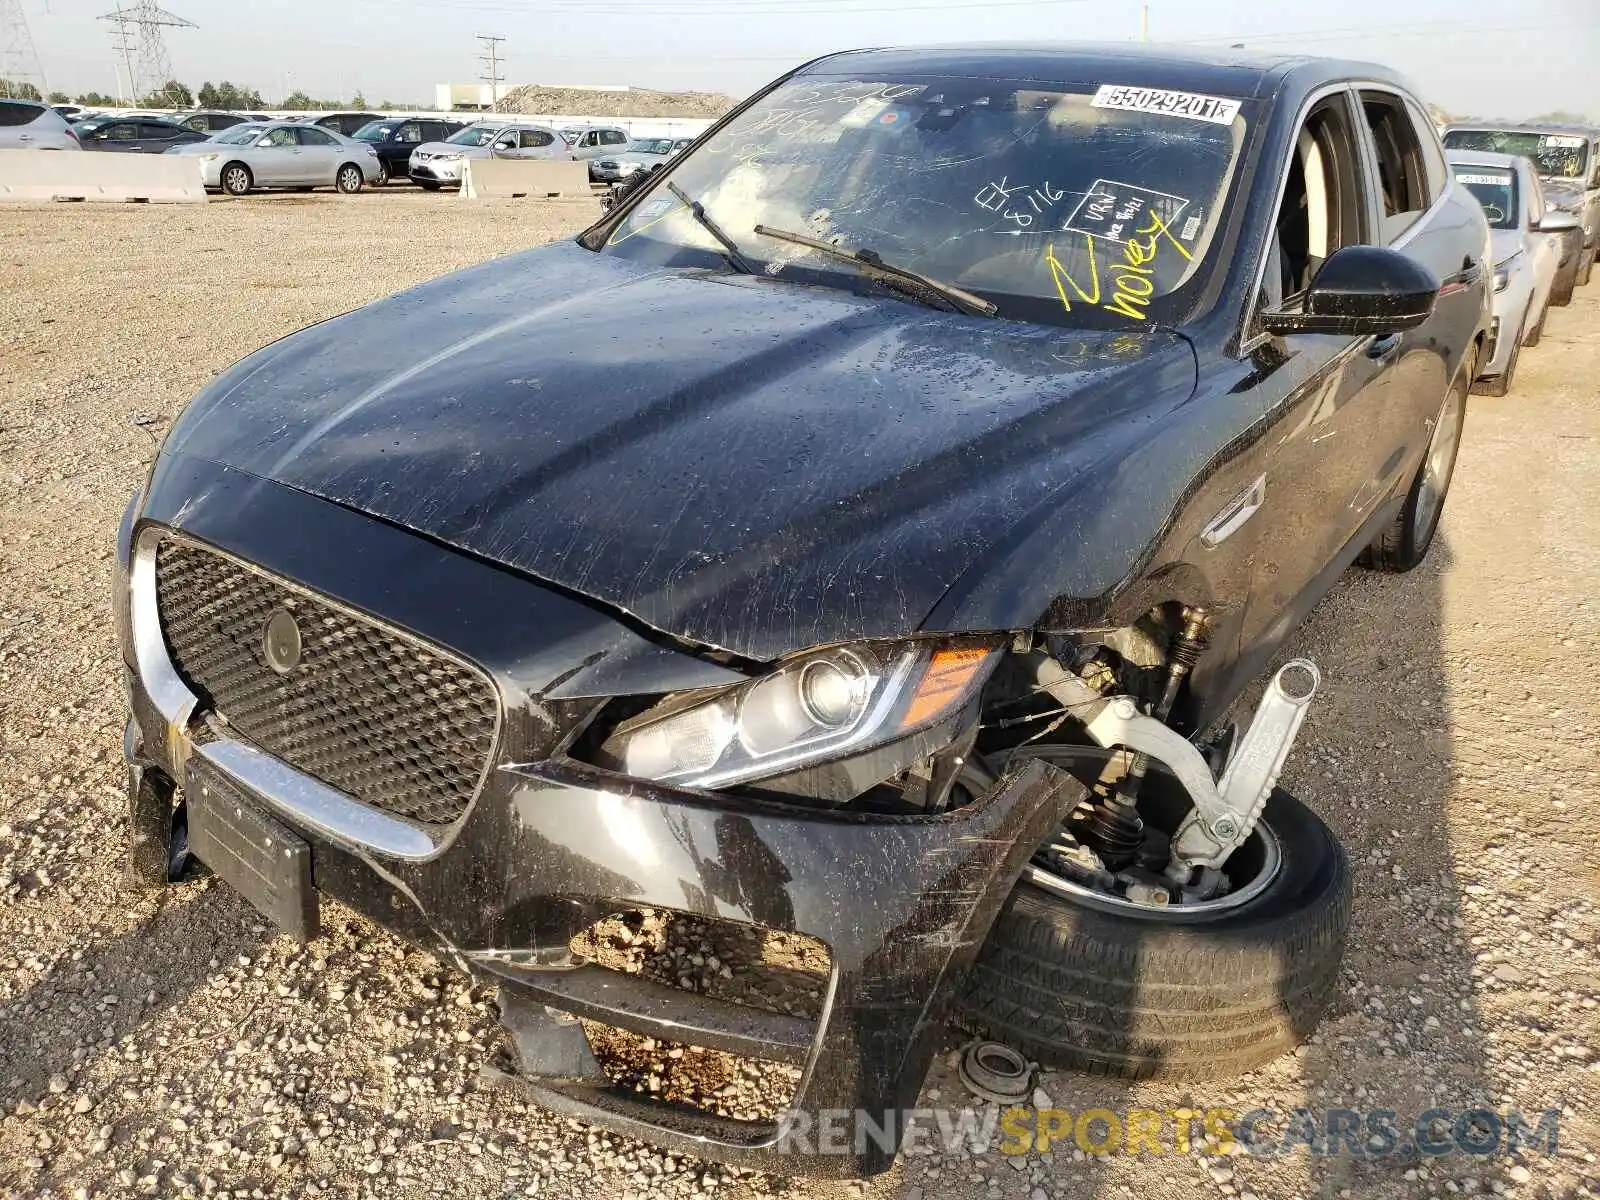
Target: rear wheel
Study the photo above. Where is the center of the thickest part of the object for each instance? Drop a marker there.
(1404, 545)
(1182, 992)
(349, 180)
(1566, 282)
(237, 179)
(381, 179)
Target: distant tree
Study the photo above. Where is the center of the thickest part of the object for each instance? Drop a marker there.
(1562, 118)
(358, 100)
(298, 101)
(60, 98)
(171, 94)
(96, 100)
(20, 91)
(228, 96)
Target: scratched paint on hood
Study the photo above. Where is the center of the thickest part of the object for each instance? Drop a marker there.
(749, 464)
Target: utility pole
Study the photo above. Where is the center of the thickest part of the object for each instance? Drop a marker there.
(149, 18)
(490, 58)
(1144, 22)
(122, 41)
(19, 62)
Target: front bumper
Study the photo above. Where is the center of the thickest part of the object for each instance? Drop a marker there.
(436, 171)
(549, 846)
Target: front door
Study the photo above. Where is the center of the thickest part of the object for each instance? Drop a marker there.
(276, 160)
(321, 155)
(1328, 393)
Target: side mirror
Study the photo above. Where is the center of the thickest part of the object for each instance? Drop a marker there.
(1556, 221)
(1362, 290)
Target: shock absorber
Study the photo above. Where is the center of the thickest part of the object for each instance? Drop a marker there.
(1115, 830)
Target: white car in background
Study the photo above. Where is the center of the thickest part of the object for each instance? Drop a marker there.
(25, 125)
(1526, 244)
(641, 154)
(283, 154)
(437, 164)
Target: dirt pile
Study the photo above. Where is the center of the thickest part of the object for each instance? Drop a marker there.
(635, 103)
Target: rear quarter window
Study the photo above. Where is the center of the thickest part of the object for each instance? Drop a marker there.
(18, 114)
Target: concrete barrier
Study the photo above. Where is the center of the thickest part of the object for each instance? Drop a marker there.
(511, 178)
(34, 176)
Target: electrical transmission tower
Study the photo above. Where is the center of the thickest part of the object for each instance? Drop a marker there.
(19, 63)
(490, 58)
(153, 66)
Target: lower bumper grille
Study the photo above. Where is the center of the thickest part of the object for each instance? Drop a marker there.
(369, 710)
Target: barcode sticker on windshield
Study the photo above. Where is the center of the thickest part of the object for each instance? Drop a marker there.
(1195, 107)
(1560, 141)
(1486, 180)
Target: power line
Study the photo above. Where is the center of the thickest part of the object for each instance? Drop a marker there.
(155, 65)
(490, 59)
(19, 61)
(699, 8)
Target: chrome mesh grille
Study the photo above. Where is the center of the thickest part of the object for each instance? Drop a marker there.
(384, 718)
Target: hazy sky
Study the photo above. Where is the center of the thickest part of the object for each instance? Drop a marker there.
(1469, 56)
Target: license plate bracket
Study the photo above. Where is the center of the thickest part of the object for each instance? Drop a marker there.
(259, 857)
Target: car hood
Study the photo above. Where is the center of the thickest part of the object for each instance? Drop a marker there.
(1569, 193)
(748, 464)
(443, 148)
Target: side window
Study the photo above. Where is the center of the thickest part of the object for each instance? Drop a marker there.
(18, 114)
(156, 133)
(196, 125)
(612, 137)
(1432, 152)
(410, 133)
(282, 137)
(1533, 197)
(534, 139)
(125, 132)
(1402, 174)
(315, 137)
(1323, 207)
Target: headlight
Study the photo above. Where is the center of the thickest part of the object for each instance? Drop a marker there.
(1502, 273)
(815, 708)
(210, 156)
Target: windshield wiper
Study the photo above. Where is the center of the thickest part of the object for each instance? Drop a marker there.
(731, 249)
(955, 299)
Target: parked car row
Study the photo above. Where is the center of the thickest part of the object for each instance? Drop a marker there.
(1539, 186)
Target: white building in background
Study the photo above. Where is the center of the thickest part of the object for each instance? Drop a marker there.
(480, 97)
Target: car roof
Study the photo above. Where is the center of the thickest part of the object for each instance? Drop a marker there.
(1231, 72)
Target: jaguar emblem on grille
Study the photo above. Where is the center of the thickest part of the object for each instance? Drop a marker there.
(280, 641)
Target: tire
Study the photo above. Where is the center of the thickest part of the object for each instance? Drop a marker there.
(1586, 267)
(382, 179)
(1561, 294)
(1500, 385)
(1537, 332)
(1147, 994)
(349, 179)
(1404, 545)
(237, 179)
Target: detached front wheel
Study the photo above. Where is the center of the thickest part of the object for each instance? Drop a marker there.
(1102, 985)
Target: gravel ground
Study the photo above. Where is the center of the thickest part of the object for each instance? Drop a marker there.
(173, 1046)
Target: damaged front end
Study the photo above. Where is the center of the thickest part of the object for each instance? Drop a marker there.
(498, 806)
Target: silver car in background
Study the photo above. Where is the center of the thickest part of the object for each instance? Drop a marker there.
(25, 125)
(1526, 243)
(642, 154)
(283, 154)
(439, 164)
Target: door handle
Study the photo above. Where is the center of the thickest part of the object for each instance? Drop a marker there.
(1383, 349)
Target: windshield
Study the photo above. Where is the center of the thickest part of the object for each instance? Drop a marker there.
(239, 135)
(1496, 190)
(650, 146)
(1555, 155)
(1090, 207)
(474, 135)
(374, 131)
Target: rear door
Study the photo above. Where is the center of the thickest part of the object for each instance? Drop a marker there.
(537, 143)
(1423, 215)
(320, 155)
(15, 119)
